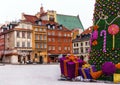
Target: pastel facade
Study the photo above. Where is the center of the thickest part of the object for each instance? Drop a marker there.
(59, 41)
(81, 44)
(39, 43)
(18, 43)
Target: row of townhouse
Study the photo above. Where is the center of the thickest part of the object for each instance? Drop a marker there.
(25, 41)
(39, 38)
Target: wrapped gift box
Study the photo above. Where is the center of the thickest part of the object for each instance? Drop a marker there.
(85, 71)
(71, 67)
(62, 65)
(116, 78)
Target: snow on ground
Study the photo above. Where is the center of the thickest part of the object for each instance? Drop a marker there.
(35, 75)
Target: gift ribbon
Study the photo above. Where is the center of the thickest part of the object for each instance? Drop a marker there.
(73, 59)
(96, 75)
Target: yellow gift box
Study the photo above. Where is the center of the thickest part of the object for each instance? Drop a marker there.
(116, 78)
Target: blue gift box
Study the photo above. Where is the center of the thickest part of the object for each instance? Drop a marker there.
(85, 72)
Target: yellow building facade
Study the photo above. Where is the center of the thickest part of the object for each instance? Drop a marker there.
(39, 45)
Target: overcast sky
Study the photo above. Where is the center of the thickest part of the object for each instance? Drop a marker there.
(11, 10)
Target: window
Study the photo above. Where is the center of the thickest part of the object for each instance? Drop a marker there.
(28, 44)
(68, 48)
(44, 30)
(48, 26)
(49, 48)
(39, 23)
(76, 51)
(23, 44)
(28, 27)
(36, 37)
(81, 50)
(36, 45)
(53, 33)
(53, 40)
(49, 39)
(60, 27)
(40, 37)
(41, 45)
(86, 43)
(49, 33)
(53, 27)
(65, 48)
(59, 34)
(23, 25)
(81, 44)
(28, 35)
(18, 34)
(68, 35)
(18, 44)
(36, 29)
(40, 29)
(23, 34)
(53, 47)
(65, 34)
(59, 48)
(51, 18)
(77, 44)
(86, 50)
(45, 45)
(45, 37)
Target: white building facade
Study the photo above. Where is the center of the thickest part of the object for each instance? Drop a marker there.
(81, 44)
(18, 43)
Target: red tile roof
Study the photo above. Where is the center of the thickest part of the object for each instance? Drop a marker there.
(87, 31)
(30, 18)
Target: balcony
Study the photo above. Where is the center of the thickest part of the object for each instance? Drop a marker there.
(10, 52)
(40, 40)
(41, 49)
(76, 52)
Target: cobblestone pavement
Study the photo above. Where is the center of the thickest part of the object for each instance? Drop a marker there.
(34, 75)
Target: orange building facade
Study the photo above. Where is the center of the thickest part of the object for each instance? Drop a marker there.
(59, 41)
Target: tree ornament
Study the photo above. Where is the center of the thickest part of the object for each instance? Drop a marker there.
(103, 32)
(117, 66)
(113, 30)
(95, 35)
(108, 68)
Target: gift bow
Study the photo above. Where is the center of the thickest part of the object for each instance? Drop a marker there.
(86, 66)
(73, 59)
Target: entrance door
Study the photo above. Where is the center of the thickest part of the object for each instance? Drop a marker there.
(41, 59)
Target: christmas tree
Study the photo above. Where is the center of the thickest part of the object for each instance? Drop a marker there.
(105, 38)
